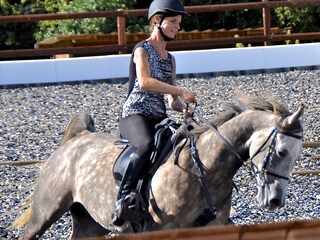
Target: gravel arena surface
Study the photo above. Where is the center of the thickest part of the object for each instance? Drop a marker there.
(33, 119)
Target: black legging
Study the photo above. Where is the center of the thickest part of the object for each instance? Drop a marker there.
(139, 130)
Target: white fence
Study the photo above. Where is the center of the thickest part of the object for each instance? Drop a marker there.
(188, 62)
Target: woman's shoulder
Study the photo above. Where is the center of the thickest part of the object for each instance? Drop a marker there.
(141, 52)
(140, 44)
(143, 44)
(140, 47)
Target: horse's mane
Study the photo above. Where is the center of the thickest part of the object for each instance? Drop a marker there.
(243, 103)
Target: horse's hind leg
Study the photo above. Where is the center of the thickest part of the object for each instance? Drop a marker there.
(83, 225)
(44, 212)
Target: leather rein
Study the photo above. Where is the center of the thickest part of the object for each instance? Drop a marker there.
(209, 214)
(273, 134)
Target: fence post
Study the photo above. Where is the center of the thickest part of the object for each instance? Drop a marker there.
(266, 22)
(121, 24)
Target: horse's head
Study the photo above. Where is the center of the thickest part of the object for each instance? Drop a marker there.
(273, 152)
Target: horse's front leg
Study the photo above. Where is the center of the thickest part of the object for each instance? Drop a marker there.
(222, 214)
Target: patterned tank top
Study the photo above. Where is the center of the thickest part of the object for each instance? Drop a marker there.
(145, 103)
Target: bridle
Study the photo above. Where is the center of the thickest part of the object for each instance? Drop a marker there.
(210, 213)
(261, 174)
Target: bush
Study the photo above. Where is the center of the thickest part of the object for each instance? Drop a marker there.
(218, 20)
(79, 26)
(18, 35)
(299, 19)
(25, 35)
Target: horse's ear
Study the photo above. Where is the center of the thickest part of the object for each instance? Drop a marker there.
(292, 119)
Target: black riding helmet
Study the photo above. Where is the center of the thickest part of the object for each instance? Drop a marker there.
(167, 8)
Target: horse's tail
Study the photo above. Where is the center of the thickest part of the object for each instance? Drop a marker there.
(23, 219)
(80, 122)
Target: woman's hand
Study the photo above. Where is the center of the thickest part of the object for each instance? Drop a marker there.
(188, 96)
(187, 113)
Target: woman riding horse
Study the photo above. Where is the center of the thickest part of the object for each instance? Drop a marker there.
(152, 74)
(78, 176)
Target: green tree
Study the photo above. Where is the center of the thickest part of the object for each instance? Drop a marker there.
(300, 19)
(18, 35)
(79, 26)
(218, 20)
(25, 35)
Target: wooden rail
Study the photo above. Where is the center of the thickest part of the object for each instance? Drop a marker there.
(267, 38)
(311, 144)
(308, 172)
(297, 230)
(132, 38)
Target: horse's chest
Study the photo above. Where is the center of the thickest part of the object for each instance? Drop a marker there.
(174, 190)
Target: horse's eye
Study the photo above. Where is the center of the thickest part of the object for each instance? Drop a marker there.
(282, 152)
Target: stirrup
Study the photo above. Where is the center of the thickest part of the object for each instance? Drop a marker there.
(133, 208)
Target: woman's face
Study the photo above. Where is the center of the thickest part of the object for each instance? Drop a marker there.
(171, 25)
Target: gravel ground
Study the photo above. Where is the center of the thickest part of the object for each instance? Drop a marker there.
(32, 121)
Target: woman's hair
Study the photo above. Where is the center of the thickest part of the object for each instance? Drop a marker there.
(161, 16)
(152, 23)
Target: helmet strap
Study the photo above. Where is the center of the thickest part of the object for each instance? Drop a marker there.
(166, 38)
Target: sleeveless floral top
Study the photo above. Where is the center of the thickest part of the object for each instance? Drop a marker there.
(145, 103)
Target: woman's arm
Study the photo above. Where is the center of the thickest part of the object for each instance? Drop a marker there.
(150, 84)
(175, 102)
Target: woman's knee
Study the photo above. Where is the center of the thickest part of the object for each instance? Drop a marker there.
(146, 147)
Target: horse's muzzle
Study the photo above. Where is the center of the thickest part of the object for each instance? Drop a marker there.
(270, 198)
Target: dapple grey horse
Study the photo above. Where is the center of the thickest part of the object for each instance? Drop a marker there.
(78, 175)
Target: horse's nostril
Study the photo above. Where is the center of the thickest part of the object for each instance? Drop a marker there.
(275, 202)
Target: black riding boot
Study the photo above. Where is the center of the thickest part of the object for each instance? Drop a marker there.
(125, 196)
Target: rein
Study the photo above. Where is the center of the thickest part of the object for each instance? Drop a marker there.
(274, 132)
(229, 145)
(209, 214)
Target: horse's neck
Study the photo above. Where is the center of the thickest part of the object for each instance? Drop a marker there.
(214, 152)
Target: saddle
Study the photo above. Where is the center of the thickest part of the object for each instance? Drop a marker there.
(168, 134)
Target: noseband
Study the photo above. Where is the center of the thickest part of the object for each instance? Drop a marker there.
(261, 174)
